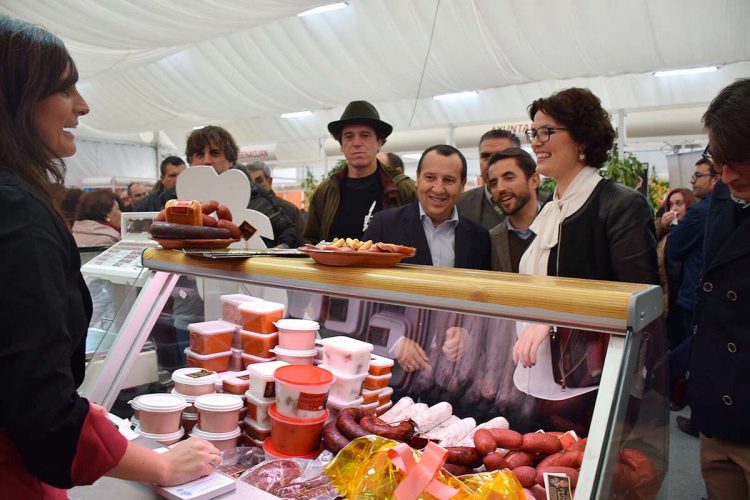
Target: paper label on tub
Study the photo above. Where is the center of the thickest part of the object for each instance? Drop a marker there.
(199, 374)
(311, 402)
(270, 391)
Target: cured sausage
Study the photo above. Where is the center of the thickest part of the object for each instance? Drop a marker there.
(537, 442)
(456, 432)
(458, 470)
(168, 230)
(208, 220)
(333, 439)
(401, 432)
(233, 229)
(508, 439)
(223, 212)
(495, 461)
(484, 442)
(348, 423)
(495, 423)
(433, 416)
(437, 432)
(464, 455)
(579, 445)
(161, 216)
(518, 458)
(571, 473)
(526, 475)
(209, 206)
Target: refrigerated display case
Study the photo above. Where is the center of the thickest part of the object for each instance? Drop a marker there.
(421, 304)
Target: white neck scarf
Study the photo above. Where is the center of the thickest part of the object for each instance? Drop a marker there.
(546, 226)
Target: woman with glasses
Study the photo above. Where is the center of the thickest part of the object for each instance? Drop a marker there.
(50, 437)
(592, 228)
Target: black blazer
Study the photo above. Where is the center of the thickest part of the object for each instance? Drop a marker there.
(402, 226)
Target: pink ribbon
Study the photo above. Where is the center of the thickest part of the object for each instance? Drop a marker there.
(420, 476)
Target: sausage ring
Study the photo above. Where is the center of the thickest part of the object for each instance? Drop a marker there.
(348, 423)
(401, 432)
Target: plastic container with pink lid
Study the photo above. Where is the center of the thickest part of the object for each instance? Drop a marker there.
(346, 355)
(159, 413)
(218, 412)
(257, 409)
(218, 362)
(294, 357)
(230, 306)
(210, 337)
(262, 382)
(194, 381)
(302, 390)
(164, 439)
(297, 334)
(222, 440)
(346, 387)
(260, 316)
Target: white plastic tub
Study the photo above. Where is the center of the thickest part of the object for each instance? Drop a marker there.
(297, 334)
(194, 381)
(301, 391)
(293, 357)
(165, 439)
(159, 413)
(222, 440)
(346, 387)
(347, 355)
(262, 382)
(218, 413)
(257, 410)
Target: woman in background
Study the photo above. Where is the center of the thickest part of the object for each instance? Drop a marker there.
(97, 219)
(50, 437)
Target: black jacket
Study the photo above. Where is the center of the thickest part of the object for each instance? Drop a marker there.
(402, 226)
(718, 377)
(611, 237)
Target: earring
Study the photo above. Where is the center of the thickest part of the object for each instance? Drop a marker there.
(107, 219)
(581, 156)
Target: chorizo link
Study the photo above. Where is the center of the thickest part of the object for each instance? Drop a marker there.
(464, 455)
(333, 439)
(401, 432)
(348, 423)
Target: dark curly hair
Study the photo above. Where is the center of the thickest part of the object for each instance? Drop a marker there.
(212, 135)
(581, 112)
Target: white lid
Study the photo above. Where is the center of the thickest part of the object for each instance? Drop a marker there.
(255, 425)
(304, 325)
(212, 327)
(203, 357)
(160, 402)
(371, 405)
(215, 436)
(265, 370)
(194, 376)
(379, 377)
(251, 333)
(382, 361)
(340, 405)
(261, 306)
(237, 298)
(172, 436)
(258, 401)
(189, 399)
(280, 351)
(386, 391)
(368, 392)
(344, 376)
(218, 402)
(257, 359)
(348, 344)
(189, 416)
(385, 406)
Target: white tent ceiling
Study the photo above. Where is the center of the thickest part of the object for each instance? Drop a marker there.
(169, 65)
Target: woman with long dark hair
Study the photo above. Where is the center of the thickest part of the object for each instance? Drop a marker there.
(50, 437)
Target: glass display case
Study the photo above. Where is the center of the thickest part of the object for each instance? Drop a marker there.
(452, 333)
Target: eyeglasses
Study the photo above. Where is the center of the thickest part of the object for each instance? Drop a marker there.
(718, 166)
(695, 177)
(541, 133)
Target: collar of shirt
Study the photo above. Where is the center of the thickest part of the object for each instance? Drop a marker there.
(742, 203)
(441, 239)
(524, 235)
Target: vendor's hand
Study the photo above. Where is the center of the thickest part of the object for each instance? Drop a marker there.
(189, 460)
(528, 344)
(411, 356)
(667, 218)
(456, 339)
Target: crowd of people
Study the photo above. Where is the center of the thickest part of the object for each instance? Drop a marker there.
(590, 227)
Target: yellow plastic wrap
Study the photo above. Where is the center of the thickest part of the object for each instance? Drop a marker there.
(363, 470)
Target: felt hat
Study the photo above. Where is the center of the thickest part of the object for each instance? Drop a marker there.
(360, 112)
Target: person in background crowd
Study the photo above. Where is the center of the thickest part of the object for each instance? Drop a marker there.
(60, 440)
(69, 204)
(171, 167)
(670, 272)
(686, 248)
(718, 369)
(343, 204)
(391, 160)
(97, 219)
(593, 228)
(513, 184)
(260, 174)
(136, 192)
(215, 146)
(477, 204)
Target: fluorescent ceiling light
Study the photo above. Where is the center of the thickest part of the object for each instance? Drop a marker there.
(413, 156)
(456, 95)
(688, 71)
(297, 114)
(324, 8)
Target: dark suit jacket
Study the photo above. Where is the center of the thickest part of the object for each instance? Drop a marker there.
(473, 205)
(718, 378)
(402, 226)
(685, 246)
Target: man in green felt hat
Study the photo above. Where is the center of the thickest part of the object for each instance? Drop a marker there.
(344, 203)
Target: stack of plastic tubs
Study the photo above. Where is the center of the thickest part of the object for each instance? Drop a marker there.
(297, 341)
(348, 360)
(260, 395)
(210, 345)
(376, 392)
(218, 417)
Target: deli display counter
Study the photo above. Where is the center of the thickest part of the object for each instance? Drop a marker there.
(451, 333)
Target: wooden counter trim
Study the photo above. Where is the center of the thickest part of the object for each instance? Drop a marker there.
(516, 295)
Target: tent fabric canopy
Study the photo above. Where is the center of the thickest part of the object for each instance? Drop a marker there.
(171, 65)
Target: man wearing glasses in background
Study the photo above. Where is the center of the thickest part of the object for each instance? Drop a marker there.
(718, 368)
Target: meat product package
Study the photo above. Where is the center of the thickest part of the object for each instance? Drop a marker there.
(437, 432)
(269, 476)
